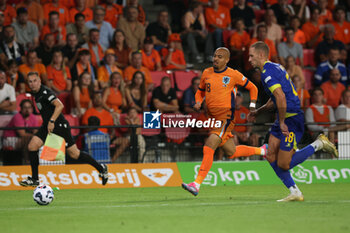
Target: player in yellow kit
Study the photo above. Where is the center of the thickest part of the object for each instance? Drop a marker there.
(219, 85)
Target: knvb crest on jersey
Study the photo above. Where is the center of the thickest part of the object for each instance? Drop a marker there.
(151, 120)
(226, 81)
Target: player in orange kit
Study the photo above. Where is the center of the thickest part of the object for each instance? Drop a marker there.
(218, 85)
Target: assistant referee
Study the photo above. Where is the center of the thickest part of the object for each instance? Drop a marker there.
(50, 108)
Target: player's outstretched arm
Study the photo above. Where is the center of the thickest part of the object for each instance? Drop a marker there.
(253, 92)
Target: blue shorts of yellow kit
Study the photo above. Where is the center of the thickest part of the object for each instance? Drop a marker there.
(296, 130)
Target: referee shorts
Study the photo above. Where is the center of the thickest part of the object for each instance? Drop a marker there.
(61, 129)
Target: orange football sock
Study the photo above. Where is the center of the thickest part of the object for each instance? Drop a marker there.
(246, 151)
(208, 157)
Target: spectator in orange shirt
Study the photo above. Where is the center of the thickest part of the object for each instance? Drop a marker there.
(299, 36)
(325, 14)
(262, 36)
(136, 92)
(243, 134)
(333, 88)
(150, 56)
(8, 11)
(303, 94)
(113, 97)
(217, 18)
(142, 16)
(81, 8)
(195, 32)
(58, 74)
(32, 65)
(239, 43)
(98, 111)
(95, 48)
(55, 28)
(121, 49)
(173, 57)
(312, 29)
(109, 66)
(35, 12)
(81, 94)
(55, 5)
(113, 12)
(342, 27)
(136, 65)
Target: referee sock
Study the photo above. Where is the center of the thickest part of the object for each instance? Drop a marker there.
(301, 155)
(208, 157)
(86, 158)
(284, 175)
(34, 163)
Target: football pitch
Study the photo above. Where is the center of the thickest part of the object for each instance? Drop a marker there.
(216, 209)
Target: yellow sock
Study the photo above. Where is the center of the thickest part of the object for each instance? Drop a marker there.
(208, 157)
(246, 151)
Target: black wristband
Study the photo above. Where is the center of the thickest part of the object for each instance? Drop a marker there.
(52, 121)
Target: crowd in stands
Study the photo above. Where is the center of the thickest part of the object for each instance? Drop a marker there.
(103, 58)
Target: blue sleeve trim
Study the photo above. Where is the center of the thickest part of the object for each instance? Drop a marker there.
(201, 89)
(246, 83)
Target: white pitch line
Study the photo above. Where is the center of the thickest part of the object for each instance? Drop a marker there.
(164, 205)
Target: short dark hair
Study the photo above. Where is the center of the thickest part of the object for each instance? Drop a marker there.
(22, 10)
(94, 121)
(317, 89)
(93, 30)
(194, 79)
(135, 53)
(261, 26)
(54, 13)
(33, 73)
(26, 101)
(78, 15)
(289, 29)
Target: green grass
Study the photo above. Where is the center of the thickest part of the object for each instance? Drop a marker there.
(216, 209)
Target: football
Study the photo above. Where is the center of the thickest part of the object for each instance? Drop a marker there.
(43, 195)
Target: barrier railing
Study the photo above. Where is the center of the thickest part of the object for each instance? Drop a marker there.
(126, 146)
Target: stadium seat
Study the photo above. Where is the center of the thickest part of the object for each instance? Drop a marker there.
(309, 76)
(39, 119)
(259, 15)
(23, 96)
(122, 122)
(226, 35)
(73, 121)
(309, 57)
(183, 78)
(4, 121)
(158, 75)
(176, 134)
(151, 137)
(66, 98)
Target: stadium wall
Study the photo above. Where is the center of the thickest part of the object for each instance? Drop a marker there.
(172, 174)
